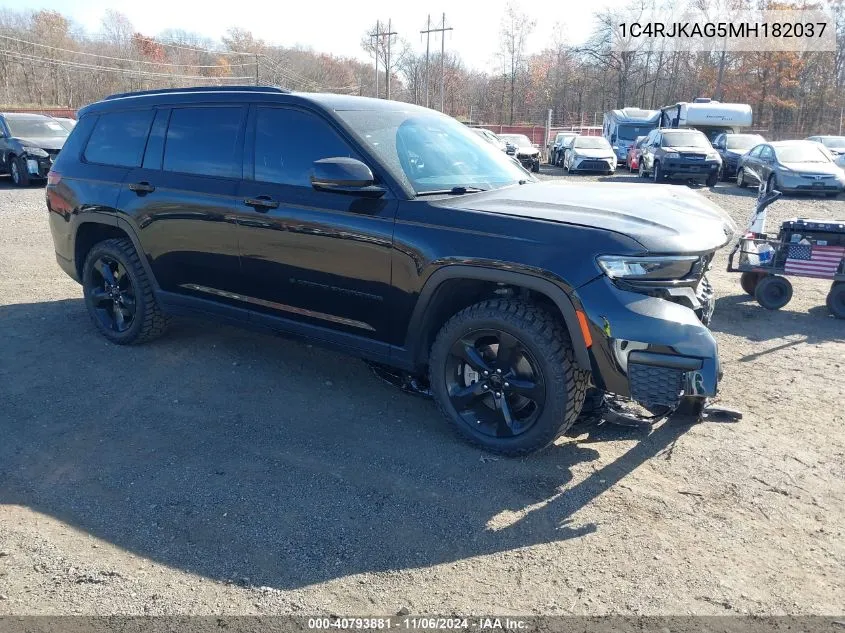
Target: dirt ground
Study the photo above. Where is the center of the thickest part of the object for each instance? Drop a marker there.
(219, 471)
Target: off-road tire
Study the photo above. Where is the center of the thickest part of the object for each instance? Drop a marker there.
(547, 340)
(150, 321)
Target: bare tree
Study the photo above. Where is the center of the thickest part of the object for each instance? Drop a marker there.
(515, 29)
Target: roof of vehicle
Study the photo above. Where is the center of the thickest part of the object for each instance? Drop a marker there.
(682, 130)
(789, 143)
(24, 115)
(230, 94)
(634, 115)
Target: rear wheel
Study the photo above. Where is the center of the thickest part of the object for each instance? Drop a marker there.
(119, 295)
(836, 300)
(773, 292)
(503, 373)
(20, 176)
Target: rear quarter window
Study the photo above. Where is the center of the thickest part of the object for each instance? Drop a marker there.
(118, 138)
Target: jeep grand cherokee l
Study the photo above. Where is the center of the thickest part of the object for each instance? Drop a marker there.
(673, 153)
(394, 233)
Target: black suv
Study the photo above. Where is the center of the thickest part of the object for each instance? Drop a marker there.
(29, 143)
(673, 153)
(394, 233)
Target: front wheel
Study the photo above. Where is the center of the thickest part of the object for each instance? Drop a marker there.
(657, 173)
(536, 167)
(641, 170)
(503, 373)
(773, 292)
(712, 179)
(740, 178)
(20, 176)
(771, 184)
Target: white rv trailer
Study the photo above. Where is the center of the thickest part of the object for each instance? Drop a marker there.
(711, 117)
(622, 127)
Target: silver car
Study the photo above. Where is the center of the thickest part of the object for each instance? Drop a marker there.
(589, 153)
(835, 145)
(791, 166)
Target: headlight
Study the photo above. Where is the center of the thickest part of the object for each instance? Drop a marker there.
(37, 152)
(712, 156)
(656, 268)
(672, 155)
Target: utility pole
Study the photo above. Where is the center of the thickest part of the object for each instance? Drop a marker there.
(256, 69)
(376, 35)
(389, 35)
(442, 30)
(427, 38)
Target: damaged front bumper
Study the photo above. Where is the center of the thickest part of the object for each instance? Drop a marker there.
(652, 349)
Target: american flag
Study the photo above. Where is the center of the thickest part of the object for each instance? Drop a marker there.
(814, 261)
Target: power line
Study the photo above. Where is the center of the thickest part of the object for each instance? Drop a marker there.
(125, 71)
(121, 59)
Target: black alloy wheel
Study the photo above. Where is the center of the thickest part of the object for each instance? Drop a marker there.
(494, 383)
(112, 294)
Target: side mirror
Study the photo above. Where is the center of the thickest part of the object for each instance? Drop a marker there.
(345, 175)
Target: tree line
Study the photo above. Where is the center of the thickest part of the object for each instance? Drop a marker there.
(48, 61)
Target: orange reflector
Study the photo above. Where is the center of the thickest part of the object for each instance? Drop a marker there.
(585, 329)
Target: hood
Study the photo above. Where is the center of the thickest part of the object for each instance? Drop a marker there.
(813, 168)
(594, 153)
(525, 149)
(691, 150)
(663, 218)
(44, 142)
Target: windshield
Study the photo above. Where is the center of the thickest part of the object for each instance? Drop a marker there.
(591, 142)
(629, 132)
(432, 152)
(743, 141)
(801, 154)
(34, 127)
(520, 140)
(685, 139)
(833, 141)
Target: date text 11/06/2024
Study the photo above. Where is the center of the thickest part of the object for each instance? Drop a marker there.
(421, 623)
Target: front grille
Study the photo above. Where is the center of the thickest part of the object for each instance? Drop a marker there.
(692, 156)
(592, 164)
(655, 386)
(525, 156)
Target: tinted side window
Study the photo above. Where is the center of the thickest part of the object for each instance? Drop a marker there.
(205, 141)
(119, 138)
(287, 142)
(756, 151)
(767, 153)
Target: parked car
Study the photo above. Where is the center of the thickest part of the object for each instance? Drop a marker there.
(562, 139)
(632, 161)
(791, 166)
(386, 230)
(835, 145)
(590, 153)
(730, 147)
(28, 145)
(679, 153)
(490, 137)
(524, 150)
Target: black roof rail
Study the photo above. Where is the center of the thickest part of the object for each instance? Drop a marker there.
(199, 89)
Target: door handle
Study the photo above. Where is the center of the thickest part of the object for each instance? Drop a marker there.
(141, 187)
(261, 203)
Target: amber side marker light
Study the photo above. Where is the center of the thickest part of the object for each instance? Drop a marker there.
(585, 329)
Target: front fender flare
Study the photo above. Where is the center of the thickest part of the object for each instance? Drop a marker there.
(458, 271)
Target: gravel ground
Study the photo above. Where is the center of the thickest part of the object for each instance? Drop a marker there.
(218, 471)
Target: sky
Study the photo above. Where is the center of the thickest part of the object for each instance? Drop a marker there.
(336, 26)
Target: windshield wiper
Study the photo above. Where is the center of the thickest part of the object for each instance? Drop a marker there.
(457, 191)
